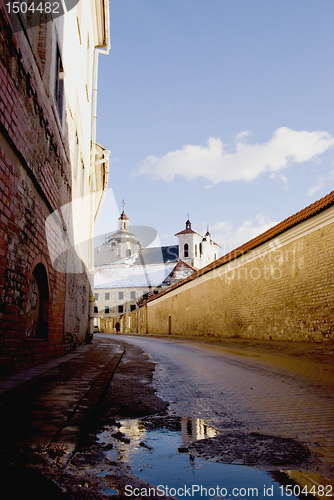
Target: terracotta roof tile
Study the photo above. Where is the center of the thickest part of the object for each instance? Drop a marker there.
(293, 220)
(187, 231)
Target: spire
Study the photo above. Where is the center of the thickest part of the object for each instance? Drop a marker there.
(123, 220)
(188, 223)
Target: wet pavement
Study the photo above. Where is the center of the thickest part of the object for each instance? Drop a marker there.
(45, 411)
(267, 406)
(160, 450)
(284, 393)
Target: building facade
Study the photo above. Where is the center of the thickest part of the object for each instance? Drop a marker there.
(127, 273)
(196, 250)
(49, 167)
(277, 286)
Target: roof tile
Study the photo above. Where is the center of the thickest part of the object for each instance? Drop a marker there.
(308, 212)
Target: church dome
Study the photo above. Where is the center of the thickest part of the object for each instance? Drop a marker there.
(119, 245)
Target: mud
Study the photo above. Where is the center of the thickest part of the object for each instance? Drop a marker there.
(250, 449)
(95, 470)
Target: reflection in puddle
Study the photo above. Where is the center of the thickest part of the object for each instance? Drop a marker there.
(156, 449)
(110, 491)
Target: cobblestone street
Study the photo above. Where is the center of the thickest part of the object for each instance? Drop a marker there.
(286, 392)
(256, 394)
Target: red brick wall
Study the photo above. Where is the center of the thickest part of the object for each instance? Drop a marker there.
(34, 181)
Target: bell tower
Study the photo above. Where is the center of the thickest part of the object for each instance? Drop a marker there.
(123, 221)
(195, 250)
(189, 242)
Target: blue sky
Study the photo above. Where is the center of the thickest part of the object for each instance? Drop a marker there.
(220, 108)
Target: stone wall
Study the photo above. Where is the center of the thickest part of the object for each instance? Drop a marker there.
(34, 181)
(280, 290)
(49, 163)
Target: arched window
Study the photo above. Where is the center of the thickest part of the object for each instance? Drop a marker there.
(195, 250)
(186, 250)
(38, 304)
(128, 253)
(200, 249)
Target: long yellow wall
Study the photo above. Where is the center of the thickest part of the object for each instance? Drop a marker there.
(282, 290)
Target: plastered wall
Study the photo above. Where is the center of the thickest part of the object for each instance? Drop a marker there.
(282, 290)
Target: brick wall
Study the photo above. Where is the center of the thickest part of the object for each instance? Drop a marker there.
(34, 181)
(281, 290)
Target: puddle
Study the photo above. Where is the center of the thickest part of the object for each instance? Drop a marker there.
(110, 491)
(156, 448)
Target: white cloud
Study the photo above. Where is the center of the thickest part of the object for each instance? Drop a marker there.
(241, 135)
(229, 237)
(282, 177)
(322, 181)
(217, 162)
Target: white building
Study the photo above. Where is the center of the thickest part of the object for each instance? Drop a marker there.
(126, 273)
(120, 245)
(78, 37)
(196, 250)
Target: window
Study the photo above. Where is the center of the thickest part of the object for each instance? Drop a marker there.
(96, 309)
(128, 253)
(186, 250)
(38, 304)
(132, 295)
(120, 309)
(106, 310)
(96, 296)
(133, 307)
(156, 292)
(113, 244)
(107, 296)
(200, 249)
(59, 84)
(120, 295)
(195, 250)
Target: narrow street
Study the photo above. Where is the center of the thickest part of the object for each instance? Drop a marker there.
(282, 390)
(177, 412)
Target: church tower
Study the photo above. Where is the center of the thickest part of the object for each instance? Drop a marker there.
(123, 222)
(194, 249)
(189, 243)
(119, 246)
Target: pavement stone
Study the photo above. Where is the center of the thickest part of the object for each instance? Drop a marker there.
(275, 389)
(51, 405)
